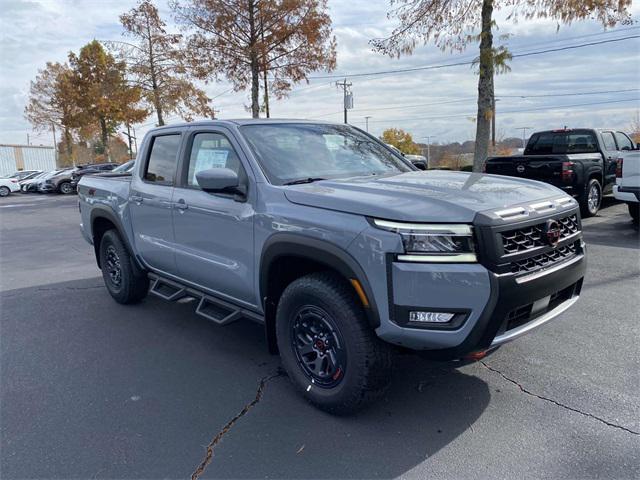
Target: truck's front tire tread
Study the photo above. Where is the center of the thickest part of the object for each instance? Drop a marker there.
(134, 284)
(369, 360)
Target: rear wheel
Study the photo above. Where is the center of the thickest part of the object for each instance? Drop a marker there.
(591, 198)
(4, 191)
(123, 279)
(328, 349)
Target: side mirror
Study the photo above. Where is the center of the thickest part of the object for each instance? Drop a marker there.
(220, 180)
(419, 164)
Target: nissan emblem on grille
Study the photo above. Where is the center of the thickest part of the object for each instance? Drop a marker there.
(520, 168)
(552, 232)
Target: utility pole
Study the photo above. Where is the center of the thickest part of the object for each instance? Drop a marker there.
(493, 122)
(30, 144)
(524, 132)
(130, 137)
(347, 96)
(215, 111)
(366, 119)
(135, 139)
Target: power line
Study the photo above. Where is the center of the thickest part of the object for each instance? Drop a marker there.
(557, 107)
(457, 64)
(467, 99)
(602, 92)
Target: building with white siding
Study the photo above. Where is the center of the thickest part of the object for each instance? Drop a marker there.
(26, 157)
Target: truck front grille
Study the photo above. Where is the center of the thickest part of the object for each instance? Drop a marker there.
(522, 239)
(544, 259)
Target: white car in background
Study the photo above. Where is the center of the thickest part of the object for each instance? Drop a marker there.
(8, 185)
(627, 187)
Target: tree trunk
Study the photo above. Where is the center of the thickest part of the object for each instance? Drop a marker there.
(485, 88)
(266, 95)
(255, 66)
(69, 145)
(157, 104)
(105, 138)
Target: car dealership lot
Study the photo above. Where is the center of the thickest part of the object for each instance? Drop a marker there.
(93, 389)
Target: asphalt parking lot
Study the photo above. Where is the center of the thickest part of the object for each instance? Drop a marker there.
(93, 389)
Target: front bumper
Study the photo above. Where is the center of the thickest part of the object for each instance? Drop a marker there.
(497, 308)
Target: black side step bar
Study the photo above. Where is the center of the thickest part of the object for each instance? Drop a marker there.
(212, 308)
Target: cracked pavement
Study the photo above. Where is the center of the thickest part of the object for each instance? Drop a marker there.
(92, 389)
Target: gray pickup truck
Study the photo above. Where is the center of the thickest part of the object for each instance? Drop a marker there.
(339, 246)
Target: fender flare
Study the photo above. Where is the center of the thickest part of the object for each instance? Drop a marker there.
(320, 251)
(101, 211)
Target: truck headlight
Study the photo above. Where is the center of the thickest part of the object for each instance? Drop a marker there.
(423, 242)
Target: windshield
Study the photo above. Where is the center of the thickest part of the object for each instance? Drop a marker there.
(292, 152)
(562, 142)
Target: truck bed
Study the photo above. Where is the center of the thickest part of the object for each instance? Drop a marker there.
(545, 168)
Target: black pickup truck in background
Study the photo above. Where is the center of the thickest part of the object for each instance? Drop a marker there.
(582, 162)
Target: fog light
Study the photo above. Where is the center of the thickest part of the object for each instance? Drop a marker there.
(430, 317)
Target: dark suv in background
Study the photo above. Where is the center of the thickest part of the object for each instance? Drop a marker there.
(83, 170)
(60, 182)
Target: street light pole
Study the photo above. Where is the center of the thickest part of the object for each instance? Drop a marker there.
(428, 137)
(524, 132)
(366, 119)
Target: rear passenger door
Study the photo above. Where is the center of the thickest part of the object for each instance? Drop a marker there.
(150, 201)
(214, 231)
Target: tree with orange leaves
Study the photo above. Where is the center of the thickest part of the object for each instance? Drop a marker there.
(283, 39)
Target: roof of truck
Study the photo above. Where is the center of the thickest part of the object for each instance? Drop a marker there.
(241, 122)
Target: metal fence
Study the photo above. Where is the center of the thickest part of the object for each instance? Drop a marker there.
(26, 157)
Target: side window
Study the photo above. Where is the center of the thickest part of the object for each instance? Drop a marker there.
(624, 143)
(211, 150)
(163, 159)
(609, 142)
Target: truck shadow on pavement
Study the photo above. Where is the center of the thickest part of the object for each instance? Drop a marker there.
(95, 389)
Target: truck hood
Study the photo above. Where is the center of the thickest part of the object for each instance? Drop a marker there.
(434, 196)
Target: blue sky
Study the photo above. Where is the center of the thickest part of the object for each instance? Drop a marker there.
(439, 103)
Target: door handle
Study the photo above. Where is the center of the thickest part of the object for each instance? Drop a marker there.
(136, 198)
(181, 205)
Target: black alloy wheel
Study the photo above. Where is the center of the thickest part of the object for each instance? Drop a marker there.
(113, 267)
(318, 346)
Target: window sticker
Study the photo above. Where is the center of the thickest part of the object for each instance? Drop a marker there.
(207, 159)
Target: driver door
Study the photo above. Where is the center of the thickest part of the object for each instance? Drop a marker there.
(214, 232)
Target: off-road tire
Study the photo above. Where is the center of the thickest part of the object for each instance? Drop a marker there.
(367, 369)
(4, 191)
(65, 188)
(133, 284)
(589, 208)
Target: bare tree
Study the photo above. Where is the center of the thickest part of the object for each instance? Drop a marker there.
(155, 61)
(52, 102)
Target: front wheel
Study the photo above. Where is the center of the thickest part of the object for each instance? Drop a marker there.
(4, 191)
(123, 279)
(591, 198)
(328, 349)
(65, 188)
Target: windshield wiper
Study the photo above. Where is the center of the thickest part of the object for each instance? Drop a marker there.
(304, 180)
